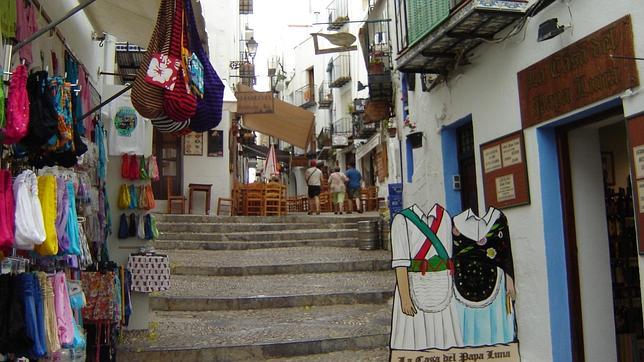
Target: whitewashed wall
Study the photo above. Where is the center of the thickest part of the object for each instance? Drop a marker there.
(487, 89)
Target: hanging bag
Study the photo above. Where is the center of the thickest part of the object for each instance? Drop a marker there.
(134, 168)
(143, 169)
(140, 231)
(123, 227)
(179, 104)
(134, 197)
(124, 197)
(149, 195)
(125, 166)
(153, 168)
(210, 106)
(17, 118)
(147, 99)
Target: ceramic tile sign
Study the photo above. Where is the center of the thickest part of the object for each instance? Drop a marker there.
(505, 174)
(455, 288)
(635, 129)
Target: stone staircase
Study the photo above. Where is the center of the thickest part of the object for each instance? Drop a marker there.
(293, 288)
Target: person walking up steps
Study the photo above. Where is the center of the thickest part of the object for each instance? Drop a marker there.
(354, 184)
(313, 176)
(336, 185)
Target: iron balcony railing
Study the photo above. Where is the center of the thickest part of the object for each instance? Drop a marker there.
(339, 70)
(338, 14)
(325, 95)
(305, 96)
(362, 129)
(343, 126)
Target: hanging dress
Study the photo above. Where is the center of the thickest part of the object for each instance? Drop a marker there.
(483, 260)
(422, 244)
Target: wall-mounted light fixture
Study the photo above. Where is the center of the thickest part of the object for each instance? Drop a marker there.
(550, 29)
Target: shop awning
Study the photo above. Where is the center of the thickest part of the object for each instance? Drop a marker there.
(259, 151)
(289, 123)
(133, 21)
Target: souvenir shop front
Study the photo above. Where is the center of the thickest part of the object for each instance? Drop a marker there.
(75, 226)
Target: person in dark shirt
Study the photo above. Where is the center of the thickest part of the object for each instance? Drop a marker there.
(353, 187)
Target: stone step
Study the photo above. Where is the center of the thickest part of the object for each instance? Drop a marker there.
(261, 334)
(239, 227)
(362, 355)
(351, 242)
(277, 261)
(292, 218)
(208, 293)
(261, 236)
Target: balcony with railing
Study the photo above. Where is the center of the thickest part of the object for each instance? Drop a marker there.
(434, 36)
(341, 131)
(362, 128)
(305, 96)
(337, 14)
(325, 96)
(339, 70)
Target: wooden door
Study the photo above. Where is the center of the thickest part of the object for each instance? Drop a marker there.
(168, 150)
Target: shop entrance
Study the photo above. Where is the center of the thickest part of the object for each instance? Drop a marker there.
(167, 149)
(601, 243)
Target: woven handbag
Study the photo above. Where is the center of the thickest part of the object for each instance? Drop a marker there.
(179, 104)
(210, 106)
(147, 98)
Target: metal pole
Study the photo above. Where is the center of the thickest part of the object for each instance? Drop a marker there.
(51, 25)
(127, 88)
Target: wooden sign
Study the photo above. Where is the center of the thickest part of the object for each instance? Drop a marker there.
(249, 102)
(505, 173)
(636, 151)
(579, 74)
(497, 353)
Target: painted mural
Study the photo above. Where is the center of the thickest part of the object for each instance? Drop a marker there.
(455, 292)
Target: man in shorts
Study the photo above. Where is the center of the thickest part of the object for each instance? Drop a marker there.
(353, 187)
(313, 177)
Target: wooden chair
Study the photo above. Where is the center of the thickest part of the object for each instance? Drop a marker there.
(224, 207)
(369, 198)
(254, 199)
(326, 202)
(180, 199)
(272, 204)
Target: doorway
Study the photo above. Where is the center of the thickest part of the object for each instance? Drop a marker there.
(467, 167)
(167, 149)
(601, 244)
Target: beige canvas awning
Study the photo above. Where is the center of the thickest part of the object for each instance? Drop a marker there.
(133, 21)
(289, 123)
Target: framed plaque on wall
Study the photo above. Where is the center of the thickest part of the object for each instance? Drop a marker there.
(505, 172)
(193, 144)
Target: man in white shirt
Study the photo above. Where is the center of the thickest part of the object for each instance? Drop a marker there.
(313, 177)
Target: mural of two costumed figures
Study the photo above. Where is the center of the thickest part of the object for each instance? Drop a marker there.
(455, 280)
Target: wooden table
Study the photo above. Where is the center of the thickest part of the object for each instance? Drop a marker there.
(199, 187)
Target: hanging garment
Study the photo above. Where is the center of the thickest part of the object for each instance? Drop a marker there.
(210, 106)
(30, 228)
(99, 133)
(17, 119)
(47, 194)
(8, 18)
(26, 25)
(31, 298)
(43, 119)
(100, 296)
(72, 226)
(123, 232)
(129, 132)
(64, 315)
(85, 103)
(483, 262)
(62, 213)
(62, 100)
(153, 168)
(49, 313)
(7, 212)
(439, 326)
(3, 119)
(150, 273)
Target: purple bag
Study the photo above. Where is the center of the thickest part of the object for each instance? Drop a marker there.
(209, 108)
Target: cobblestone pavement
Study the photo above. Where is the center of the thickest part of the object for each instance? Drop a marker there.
(370, 355)
(266, 285)
(277, 256)
(170, 330)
